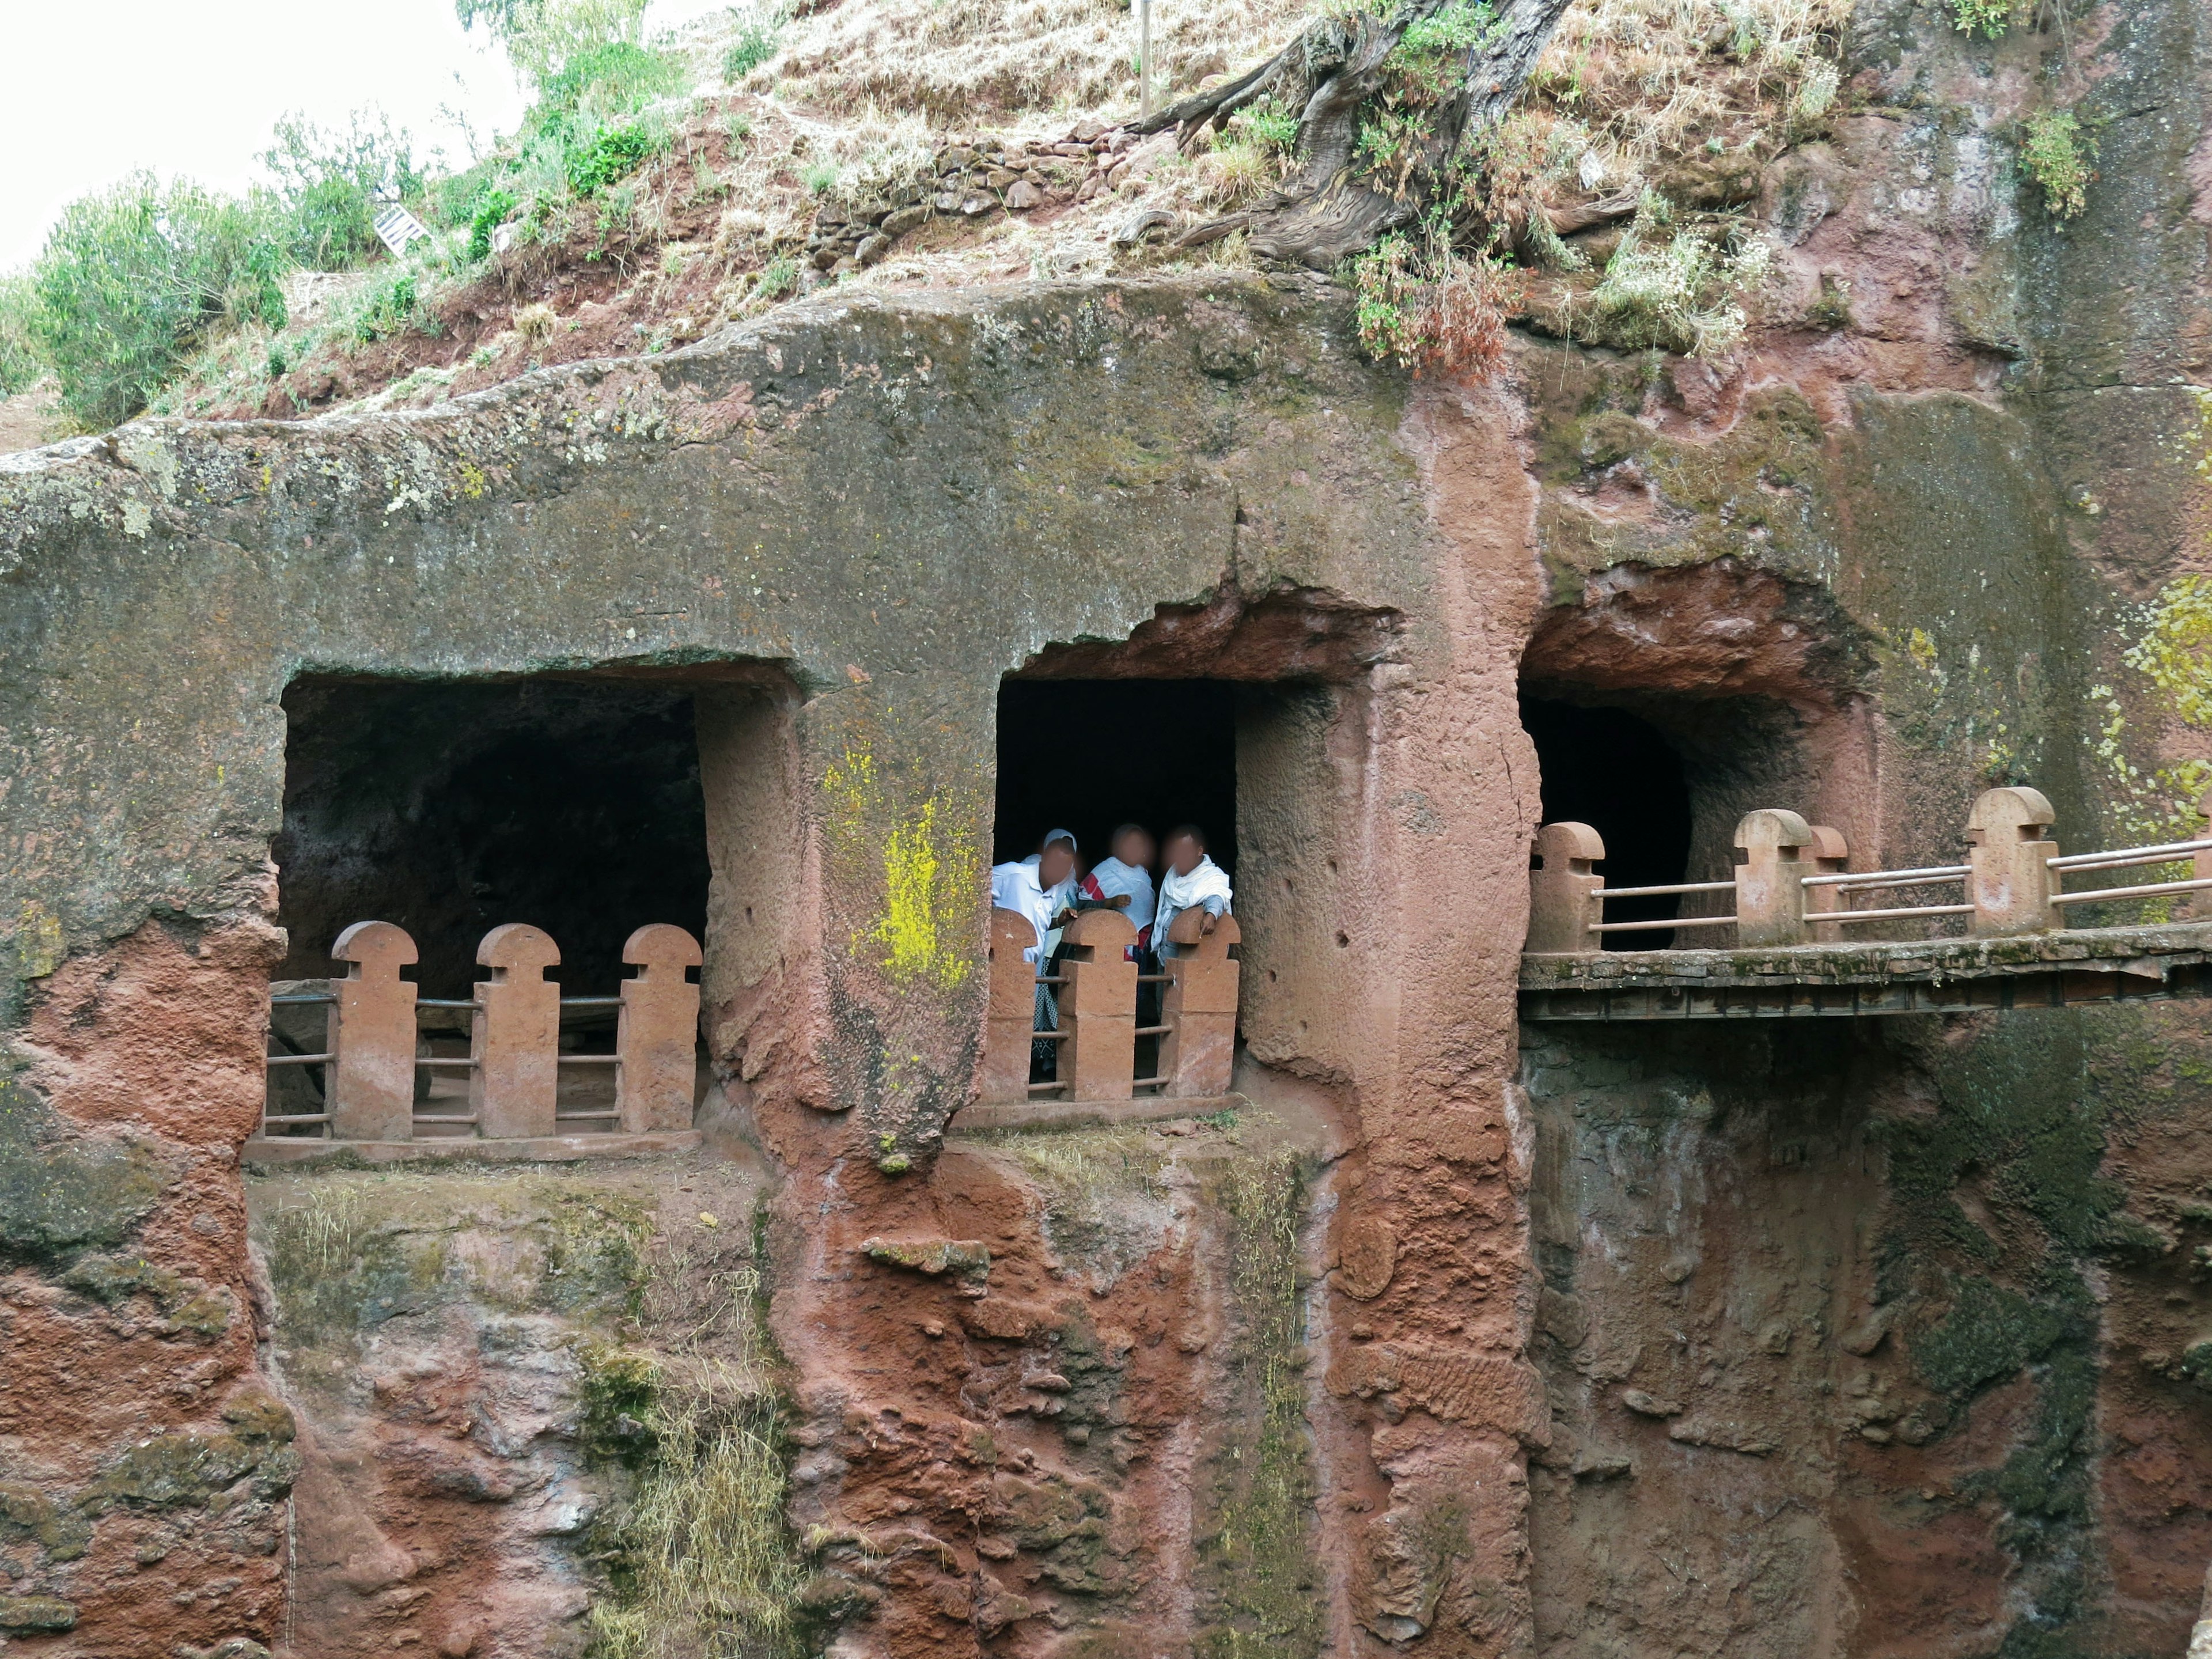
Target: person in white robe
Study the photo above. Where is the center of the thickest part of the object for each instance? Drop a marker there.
(1191, 881)
(1041, 888)
(1124, 880)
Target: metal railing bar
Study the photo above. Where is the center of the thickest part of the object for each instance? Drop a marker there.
(1891, 915)
(1148, 1082)
(300, 1060)
(1891, 878)
(1052, 979)
(1051, 1036)
(2125, 855)
(445, 1117)
(1045, 1088)
(1654, 926)
(298, 1117)
(445, 1002)
(590, 1002)
(1153, 1031)
(587, 1059)
(444, 1059)
(303, 996)
(1155, 979)
(581, 1117)
(1660, 892)
(2095, 894)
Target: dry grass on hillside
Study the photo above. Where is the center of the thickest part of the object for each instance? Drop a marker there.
(858, 97)
(959, 63)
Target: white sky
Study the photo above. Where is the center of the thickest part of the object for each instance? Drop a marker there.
(93, 89)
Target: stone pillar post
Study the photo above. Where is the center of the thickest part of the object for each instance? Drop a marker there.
(1098, 1006)
(1770, 883)
(2010, 881)
(1012, 1014)
(1829, 855)
(1563, 890)
(657, 1039)
(372, 1091)
(515, 1034)
(1199, 1049)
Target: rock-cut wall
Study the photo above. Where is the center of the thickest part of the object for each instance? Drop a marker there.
(1457, 1338)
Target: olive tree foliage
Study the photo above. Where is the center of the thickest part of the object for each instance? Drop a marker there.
(540, 36)
(1387, 99)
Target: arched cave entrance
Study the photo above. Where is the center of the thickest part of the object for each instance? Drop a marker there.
(1667, 703)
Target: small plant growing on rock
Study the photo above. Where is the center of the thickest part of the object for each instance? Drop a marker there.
(2056, 151)
(1438, 312)
(1988, 18)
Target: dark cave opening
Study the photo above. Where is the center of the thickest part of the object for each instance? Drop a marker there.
(449, 808)
(1088, 755)
(1619, 775)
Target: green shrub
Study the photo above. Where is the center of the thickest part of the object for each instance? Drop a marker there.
(132, 278)
(391, 305)
(614, 154)
(332, 186)
(493, 208)
(2055, 151)
(1988, 18)
(759, 33)
(20, 362)
(820, 177)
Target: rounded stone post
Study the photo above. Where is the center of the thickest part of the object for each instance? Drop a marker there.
(1012, 1014)
(1829, 855)
(1563, 890)
(514, 1035)
(2197, 906)
(1098, 1006)
(2010, 881)
(1770, 883)
(372, 1090)
(657, 1038)
(1199, 1052)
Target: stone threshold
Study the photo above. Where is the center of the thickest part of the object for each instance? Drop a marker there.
(1087, 1113)
(534, 1149)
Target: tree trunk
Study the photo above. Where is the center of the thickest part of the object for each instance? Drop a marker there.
(1328, 210)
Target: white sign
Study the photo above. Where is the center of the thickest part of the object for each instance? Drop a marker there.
(396, 229)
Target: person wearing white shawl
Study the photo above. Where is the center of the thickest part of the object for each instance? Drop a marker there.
(1038, 887)
(1191, 881)
(1125, 881)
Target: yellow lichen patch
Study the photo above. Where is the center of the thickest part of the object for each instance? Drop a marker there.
(929, 870)
(921, 905)
(39, 948)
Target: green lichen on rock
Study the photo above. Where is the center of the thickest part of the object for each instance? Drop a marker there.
(2021, 1121)
(967, 1259)
(185, 1304)
(28, 1615)
(60, 1194)
(1260, 1583)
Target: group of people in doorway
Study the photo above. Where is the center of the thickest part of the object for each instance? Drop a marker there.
(1051, 885)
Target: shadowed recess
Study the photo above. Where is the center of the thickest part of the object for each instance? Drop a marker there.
(449, 809)
(1087, 755)
(1606, 768)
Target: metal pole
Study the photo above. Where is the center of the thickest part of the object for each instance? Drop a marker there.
(1145, 59)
